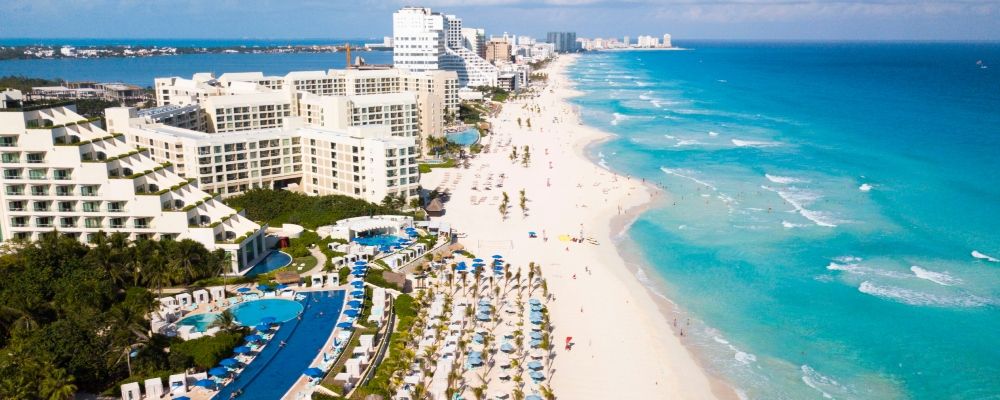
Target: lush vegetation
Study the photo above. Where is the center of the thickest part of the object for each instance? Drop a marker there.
(205, 352)
(494, 93)
(399, 356)
(25, 84)
(92, 108)
(426, 168)
(277, 207)
(70, 315)
(470, 112)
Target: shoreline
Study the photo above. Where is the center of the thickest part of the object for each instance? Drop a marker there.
(623, 344)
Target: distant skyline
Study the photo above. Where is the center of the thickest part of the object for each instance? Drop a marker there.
(684, 19)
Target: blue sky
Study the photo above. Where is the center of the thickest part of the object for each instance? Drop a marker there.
(702, 19)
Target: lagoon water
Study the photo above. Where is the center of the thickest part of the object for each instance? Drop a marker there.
(833, 209)
(141, 70)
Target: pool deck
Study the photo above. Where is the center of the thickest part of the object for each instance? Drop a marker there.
(283, 366)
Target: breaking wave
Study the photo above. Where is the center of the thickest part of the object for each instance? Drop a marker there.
(940, 278)
(799, 199)
(916, 298)
(982, 256)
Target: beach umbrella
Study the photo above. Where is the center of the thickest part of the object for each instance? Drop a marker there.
(243, 290)
(241, 350)
(478, 260)
(461, 267)
(535, 343)
(533, 397)
(497, 256)
(281, 287)
(218, 371)
(477, 338)
(228, 362)
(478, 265)
(536, 307)
(252, 338)
(313, 372)
(534, 301)
(484, 302)
(535, 375)
(506, 347)
(263, 327)
(358, 284)
(345, 325)
(535, 365)
(263, 288)
(358, 293)
(354, 303)
(360, 262)
(351, 313)
(536, 335)
(205, 383)
(268, 320)
(182, 398)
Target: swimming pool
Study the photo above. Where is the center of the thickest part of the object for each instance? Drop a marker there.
(200, 322)
(248, 314)
(378, 240)
(252, 312)
(279, 367)
(467, 137)
(270, 263)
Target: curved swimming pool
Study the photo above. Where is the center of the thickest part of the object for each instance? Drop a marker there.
(378, 240)
(248, 314)
(252, 312)
(200, 322)
(273, 261)
(467, 137)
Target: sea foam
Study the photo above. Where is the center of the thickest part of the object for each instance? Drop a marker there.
(981, 256)
(682, 174)
(916, 298)
(865, 187)
(753, 143)
(784, 180)
(940, 278)
(798, 199)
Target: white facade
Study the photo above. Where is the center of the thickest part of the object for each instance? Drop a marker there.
(62, 172)
(366, 162)
(425, 40)
(475, 40)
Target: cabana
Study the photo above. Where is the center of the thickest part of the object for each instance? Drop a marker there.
(177, 384)
(131, 391)
(287, 278)
(333, 279)
(435, 208)
(201, 296)
(184, 299)
(218, 293)
(154, 388)
(317, 279)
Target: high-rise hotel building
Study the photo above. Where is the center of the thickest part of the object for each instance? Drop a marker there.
(424, 40)
(66, 173)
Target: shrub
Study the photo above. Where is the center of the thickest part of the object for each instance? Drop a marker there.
(204, 352)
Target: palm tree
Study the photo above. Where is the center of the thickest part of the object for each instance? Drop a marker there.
(518, 393)
(479, 392)
(185, 258)
(523, 204)
(419, 391)
(547, 392)
(226, 321)
(58, 385)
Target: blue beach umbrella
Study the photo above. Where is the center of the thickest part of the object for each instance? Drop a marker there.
(263, 327)
(228, 362)
(182, 398)
(345, 325)
(205, 383)
(478, 260)
(534, 301)
(354, 303)
(252, 338)
(535, 375)
(360, 262)
(533, 397)
(478, 265)
(351, 313)
(243, 290)
(535, 365)
(358, 284)
(263, 288)
(241, 350)
(506, 348)
(497, 256)
(358, 293)
(218, 371)
(536, 335)
(536, 307)
(313, 372)
(535, 343)
(461, 267)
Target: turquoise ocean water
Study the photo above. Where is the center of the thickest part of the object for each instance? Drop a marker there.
(833, 209)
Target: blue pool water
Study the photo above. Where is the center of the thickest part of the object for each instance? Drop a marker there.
(252, 312)
(378, 240)
(275, 369)
(830, 209)
(270, 263)
(200, 322)
(467, 137)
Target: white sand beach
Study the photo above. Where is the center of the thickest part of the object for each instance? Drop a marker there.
(623, 347)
